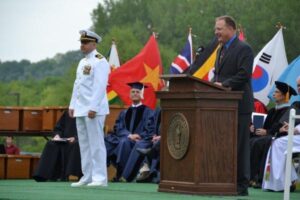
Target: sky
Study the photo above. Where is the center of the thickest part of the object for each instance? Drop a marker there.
(39, 29)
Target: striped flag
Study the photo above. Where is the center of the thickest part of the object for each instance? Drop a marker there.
(206, 61)
(269, 63)
(114, 63)
(184, 59)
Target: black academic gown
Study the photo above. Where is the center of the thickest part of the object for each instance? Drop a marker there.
(59, 160)
(259, 145)
(120, 150)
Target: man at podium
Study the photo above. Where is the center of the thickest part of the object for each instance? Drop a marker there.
(233, 69)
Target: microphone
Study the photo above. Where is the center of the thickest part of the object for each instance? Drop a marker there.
(199, 50)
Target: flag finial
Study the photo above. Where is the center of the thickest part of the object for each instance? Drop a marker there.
(279, 25)
(155, 34)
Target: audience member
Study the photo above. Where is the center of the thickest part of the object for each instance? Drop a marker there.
(61, 155)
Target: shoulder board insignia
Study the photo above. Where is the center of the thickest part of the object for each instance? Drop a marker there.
(99, 56)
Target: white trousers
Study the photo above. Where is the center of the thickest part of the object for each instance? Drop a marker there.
(278, 159)
(92, 149)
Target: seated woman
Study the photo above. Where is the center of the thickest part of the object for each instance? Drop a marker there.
(10, 148)
(61, 155)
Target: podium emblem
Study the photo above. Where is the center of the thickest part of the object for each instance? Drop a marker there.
(178, 136)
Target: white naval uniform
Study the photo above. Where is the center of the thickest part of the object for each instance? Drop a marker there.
(277, 165)
(89, 93)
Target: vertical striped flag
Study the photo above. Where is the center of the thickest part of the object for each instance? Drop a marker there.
(114, 63)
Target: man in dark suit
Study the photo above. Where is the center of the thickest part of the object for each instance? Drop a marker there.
(233, 69)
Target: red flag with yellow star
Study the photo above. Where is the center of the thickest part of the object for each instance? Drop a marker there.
(145, 67)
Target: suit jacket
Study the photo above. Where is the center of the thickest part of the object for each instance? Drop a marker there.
(235, 71)
(89, 91)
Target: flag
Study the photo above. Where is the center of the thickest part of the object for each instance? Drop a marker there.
(269, 63)
(114, 63)
(242, 36)
(289, 76)
(206, 61)
(184, 59)
(145, 67)
(114, 60)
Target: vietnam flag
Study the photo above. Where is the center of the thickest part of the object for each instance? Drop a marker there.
(145, 67)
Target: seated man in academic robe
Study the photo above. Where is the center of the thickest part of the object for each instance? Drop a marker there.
(260, 143)
(133, 129)
(61, 155)
(150, 171)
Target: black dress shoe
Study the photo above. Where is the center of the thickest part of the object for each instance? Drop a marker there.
(143, 151)
(256, 185)
(243, 192)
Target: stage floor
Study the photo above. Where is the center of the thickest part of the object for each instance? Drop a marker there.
(31, 190)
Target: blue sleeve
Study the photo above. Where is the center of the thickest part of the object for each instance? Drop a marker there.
(148, 124)
(120, 126)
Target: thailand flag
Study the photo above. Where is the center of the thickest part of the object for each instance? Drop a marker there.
(184, 59)
(269, 63)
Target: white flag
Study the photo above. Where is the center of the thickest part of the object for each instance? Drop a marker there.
(269, 63)
(114, 61)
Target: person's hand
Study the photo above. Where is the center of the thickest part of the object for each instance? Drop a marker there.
(56, 137)
(284, 128)
(218, 83)
(91, 114)
(71, 113)
(261, 132)
(134, 137)
(156, 138)
(71, 139)
(251, 128)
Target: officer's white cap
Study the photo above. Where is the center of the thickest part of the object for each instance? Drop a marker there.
(87, 35)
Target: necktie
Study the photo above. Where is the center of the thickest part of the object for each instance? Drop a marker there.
(222, 53)
(132, 119)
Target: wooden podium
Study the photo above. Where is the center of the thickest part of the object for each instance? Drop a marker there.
(199, 137)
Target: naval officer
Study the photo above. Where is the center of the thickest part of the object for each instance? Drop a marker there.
(89, 105)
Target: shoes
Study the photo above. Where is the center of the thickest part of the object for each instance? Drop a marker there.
(117, 180)
(78, 184)
(256, 185)
(144, 177)
(243, 192)
(97, 184)
(293, 187)
(143, 151)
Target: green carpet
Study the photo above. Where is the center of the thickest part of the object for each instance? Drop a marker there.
(29, 190)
